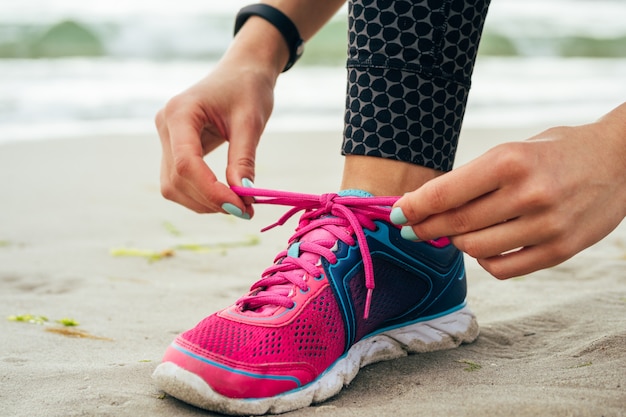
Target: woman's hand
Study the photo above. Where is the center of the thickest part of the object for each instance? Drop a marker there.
(528, 205)
(232, 104)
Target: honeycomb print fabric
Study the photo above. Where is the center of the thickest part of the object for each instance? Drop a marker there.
(409, 71)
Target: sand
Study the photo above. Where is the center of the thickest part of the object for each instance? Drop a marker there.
(552, 343)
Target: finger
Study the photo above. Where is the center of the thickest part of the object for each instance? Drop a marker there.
(450, 190)
(187, 163)
(178, 191)
(501, 238)
(485, 211)
(171, 188)
(524, 261)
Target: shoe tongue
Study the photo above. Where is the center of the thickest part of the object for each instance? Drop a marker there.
(321, 233)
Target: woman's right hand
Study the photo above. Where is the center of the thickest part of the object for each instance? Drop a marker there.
(231, 104)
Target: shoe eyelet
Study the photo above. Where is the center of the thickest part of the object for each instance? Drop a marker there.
(321, 277)
(292, 307)
(305, 291)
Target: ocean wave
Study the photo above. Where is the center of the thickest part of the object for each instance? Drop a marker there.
(75, 97)
(207, 36)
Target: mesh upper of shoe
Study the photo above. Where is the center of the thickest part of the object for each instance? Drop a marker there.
(293, 342)
(397, 291)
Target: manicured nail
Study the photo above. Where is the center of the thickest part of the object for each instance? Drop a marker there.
(247, 183)
(397, 216)
(235, 211)
(408, 233)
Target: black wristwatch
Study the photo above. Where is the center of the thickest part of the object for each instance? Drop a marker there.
(284, 25)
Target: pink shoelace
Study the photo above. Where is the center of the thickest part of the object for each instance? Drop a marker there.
(340, 216)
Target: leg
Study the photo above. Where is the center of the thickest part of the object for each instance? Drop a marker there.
(409, 71)
(382, 176)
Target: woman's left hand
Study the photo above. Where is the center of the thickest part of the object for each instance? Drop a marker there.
(529, 205)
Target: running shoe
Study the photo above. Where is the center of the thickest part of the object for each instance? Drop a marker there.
(348, 291)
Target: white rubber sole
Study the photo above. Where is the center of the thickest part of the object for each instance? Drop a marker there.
(441, 333)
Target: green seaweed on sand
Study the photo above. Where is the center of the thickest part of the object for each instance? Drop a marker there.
(581, 365)
(219, 247)
(150, 255)
(65, 326)
(28, 318)
(67, 322)
(35, 319)
(471, 365)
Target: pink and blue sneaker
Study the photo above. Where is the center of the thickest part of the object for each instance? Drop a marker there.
(348, 291)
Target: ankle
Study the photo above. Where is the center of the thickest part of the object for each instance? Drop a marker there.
(384, 177)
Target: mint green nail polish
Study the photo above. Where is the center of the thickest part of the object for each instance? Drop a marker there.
(397, 216)
(408, 233)
(247, 183)
(235, 211)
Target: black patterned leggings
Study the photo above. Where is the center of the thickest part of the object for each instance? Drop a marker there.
(409, 72)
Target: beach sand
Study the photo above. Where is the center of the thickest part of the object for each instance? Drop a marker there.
(552, 343)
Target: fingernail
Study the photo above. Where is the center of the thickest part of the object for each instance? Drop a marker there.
(247, 183)
(235, 211)
(397, 216)
(408, 233)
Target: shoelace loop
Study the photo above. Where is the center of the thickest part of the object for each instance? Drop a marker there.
(333, 212)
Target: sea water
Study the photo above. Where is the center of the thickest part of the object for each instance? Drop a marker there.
(70, 68)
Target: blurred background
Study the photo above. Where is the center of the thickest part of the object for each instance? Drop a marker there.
(71, 68)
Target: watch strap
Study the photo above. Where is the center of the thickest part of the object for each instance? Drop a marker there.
(281, 22)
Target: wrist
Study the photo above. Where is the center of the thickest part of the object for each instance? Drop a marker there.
(614, 124)
(278, 19)
(259, 44)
